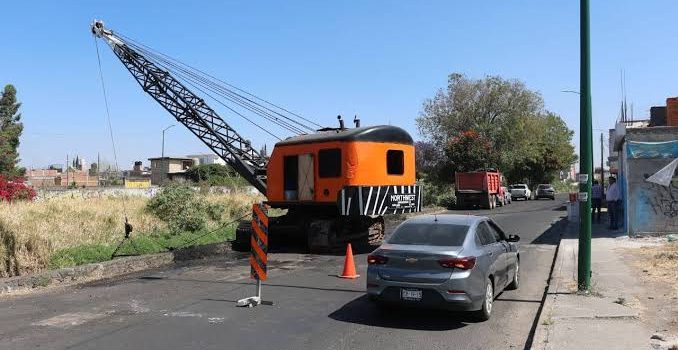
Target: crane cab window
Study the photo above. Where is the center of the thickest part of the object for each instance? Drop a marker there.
(291, 177)
(329, 163)
(395, 162)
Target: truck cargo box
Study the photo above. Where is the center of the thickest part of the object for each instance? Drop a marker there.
(478, 188)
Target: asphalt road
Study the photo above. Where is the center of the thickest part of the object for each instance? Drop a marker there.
(193, 306)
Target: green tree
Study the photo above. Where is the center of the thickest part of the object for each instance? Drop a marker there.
(494, 122)
(183, 209)
(470, 151)
(215, 175)
(10, 131)
(427, 157)
(489, 106)
(556, 149)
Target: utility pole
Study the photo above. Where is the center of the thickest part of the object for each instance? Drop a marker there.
(602, 171)
(98, 169)
(586, 150)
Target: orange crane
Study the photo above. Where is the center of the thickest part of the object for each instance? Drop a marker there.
(335, 183)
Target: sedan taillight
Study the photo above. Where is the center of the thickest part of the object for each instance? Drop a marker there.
(466, 263)
(376, 259)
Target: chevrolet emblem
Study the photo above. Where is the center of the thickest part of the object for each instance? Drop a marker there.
(411, 260)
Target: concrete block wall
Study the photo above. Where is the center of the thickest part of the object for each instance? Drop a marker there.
(651, 209)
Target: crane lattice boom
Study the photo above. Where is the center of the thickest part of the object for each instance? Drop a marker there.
(190, 110)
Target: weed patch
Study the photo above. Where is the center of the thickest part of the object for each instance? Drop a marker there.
(138, 245)
(79, 255)
(74, 230)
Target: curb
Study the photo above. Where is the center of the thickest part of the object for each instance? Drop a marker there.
(539, 336)
(109, 269)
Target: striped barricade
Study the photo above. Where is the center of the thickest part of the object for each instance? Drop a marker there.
(259, 242)
(259, 254)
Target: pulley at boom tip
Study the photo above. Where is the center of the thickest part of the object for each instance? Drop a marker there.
(99, 31)
(97, 28)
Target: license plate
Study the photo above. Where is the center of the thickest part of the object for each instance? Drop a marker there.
(411, 294)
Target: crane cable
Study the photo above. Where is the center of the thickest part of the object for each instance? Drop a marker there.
(245, 103)
(150, 49)
(128, 227)
(230, 95)
(194, 82)
(256, 109)
(213, 82)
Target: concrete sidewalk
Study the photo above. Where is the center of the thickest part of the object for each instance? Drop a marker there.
(607, 318)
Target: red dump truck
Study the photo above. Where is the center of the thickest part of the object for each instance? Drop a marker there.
(478, 188)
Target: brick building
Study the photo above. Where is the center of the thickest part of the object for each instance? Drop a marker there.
(164, 169)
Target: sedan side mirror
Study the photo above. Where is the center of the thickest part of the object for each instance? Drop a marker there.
(513, 238)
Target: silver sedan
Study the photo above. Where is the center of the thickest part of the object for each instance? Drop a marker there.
(457, 262)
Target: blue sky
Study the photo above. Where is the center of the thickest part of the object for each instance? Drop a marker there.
(377, 59)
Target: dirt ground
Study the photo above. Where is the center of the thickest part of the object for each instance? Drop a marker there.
(656, 262)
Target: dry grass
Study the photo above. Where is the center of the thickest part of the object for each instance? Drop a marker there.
(30, 232)
(661, 262)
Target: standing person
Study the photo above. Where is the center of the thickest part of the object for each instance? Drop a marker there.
(612, 198)
(596, 200)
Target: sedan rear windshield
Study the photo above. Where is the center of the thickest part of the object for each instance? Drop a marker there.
(444, 235)
(544, 187)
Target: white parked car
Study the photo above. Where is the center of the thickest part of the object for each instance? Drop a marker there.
(520, 191)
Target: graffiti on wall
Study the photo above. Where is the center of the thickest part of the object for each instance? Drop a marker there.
(656, 209)
(663, 200)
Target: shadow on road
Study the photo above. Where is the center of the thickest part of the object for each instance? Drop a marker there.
(298, 247)
(364, 312)
(560, 208)
(518, 300)
(552, 234)
(154, 279)
(512, 211)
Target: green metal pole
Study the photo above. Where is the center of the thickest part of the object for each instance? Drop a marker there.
(586, 152)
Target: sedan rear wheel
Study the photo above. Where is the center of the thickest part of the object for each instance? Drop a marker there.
(486, 311)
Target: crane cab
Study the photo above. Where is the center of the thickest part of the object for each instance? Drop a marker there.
(360, 171)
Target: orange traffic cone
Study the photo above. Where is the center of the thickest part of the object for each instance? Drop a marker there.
(349, 265)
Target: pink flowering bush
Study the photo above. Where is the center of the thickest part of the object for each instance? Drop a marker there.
(13, 189)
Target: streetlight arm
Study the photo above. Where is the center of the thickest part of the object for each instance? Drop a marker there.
(163, 140)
